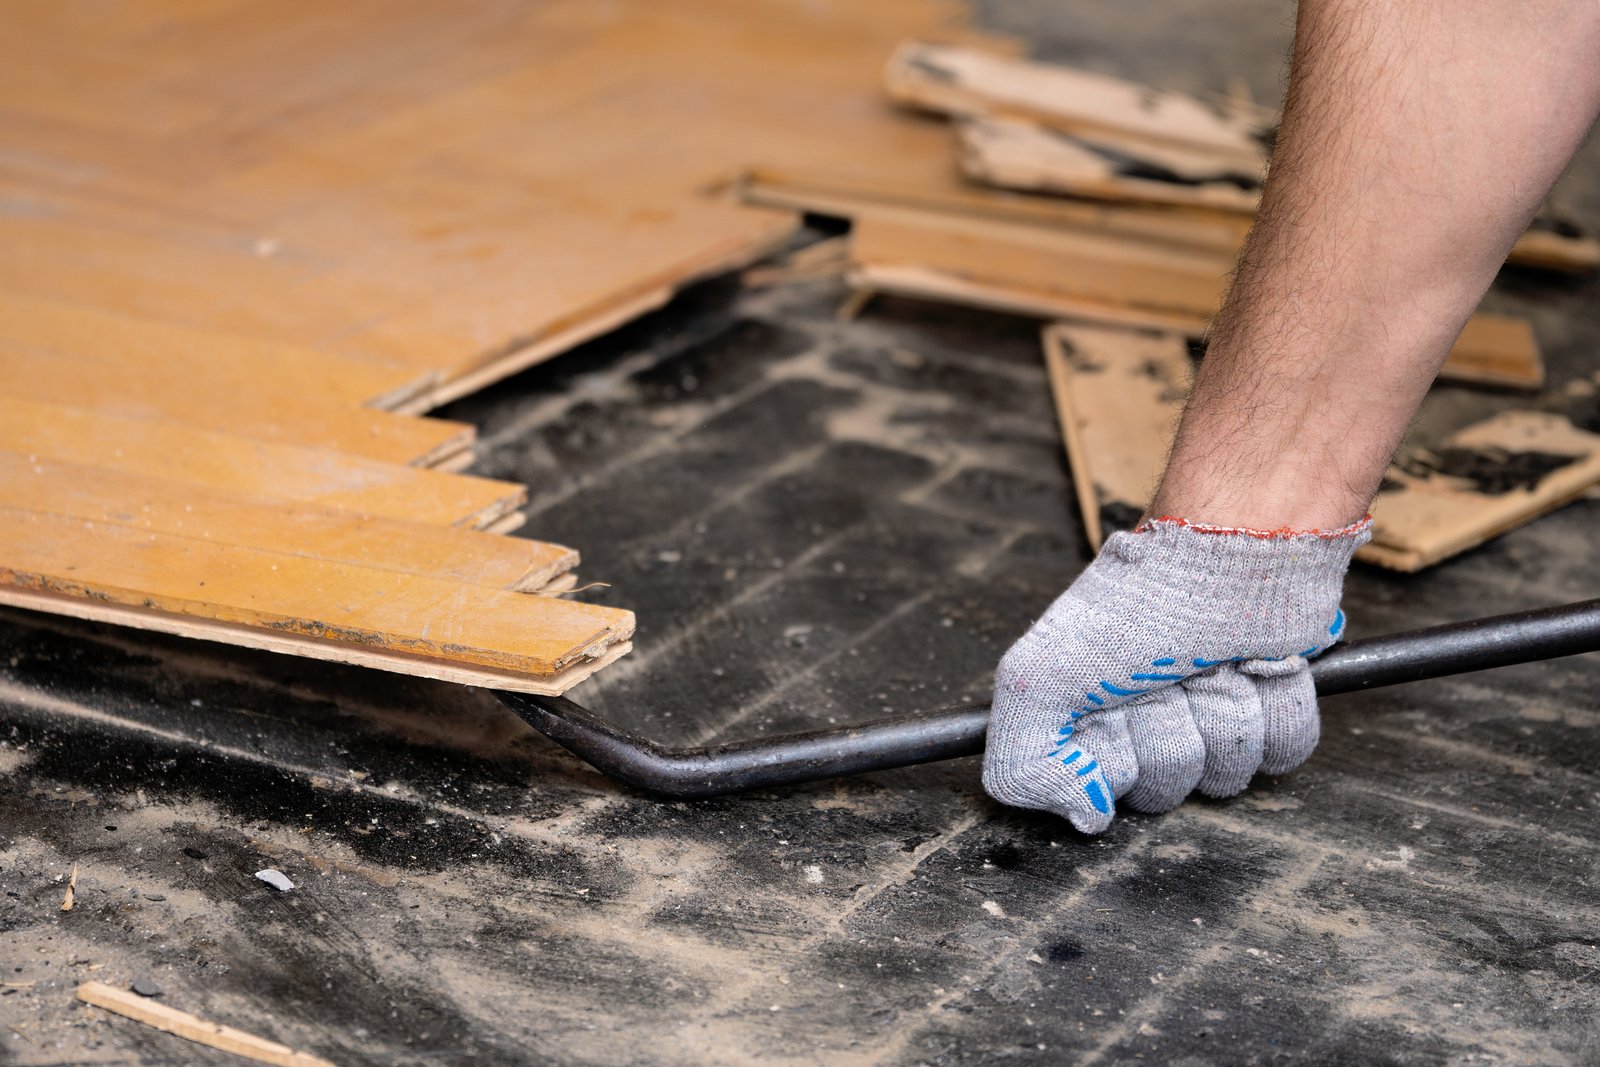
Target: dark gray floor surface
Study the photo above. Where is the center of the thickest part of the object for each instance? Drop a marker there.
(817, 523)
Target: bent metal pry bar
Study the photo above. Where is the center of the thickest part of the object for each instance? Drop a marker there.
(1457, 648)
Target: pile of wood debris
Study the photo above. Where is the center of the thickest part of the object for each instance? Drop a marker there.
(1114, 211)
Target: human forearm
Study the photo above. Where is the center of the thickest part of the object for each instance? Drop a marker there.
(1417, 140)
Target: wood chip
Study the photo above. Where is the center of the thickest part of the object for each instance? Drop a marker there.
(193, 1028)
(72, 889)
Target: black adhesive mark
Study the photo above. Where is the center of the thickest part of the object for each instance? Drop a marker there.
(1491, 471)
(1063, 951)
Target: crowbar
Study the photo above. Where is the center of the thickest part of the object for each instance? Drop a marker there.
(924, 737)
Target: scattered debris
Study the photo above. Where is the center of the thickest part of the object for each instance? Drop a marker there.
(193, 1028)
(276, 879)
(72, 889)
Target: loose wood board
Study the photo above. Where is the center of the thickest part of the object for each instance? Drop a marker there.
(1063, 273)
(421, 617)
(1119, 394)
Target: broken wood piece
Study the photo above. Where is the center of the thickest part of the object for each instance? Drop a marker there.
(1044, 127)
(1024, 155)
(968, 81)
(1119, 395)
(193, 1028)
(1481, 482)
(1063, 273)
(72, 889)
(337, 602)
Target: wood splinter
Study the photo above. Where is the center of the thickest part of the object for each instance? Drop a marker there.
(193, 1028)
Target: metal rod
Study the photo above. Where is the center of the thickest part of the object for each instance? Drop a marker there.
(946, 734)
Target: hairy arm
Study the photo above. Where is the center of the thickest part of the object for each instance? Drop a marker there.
(1418, 139)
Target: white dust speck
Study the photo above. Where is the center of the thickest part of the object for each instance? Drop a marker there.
(813, 874)
(1403, 857)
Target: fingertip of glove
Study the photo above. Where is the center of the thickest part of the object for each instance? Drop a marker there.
(1085, 802)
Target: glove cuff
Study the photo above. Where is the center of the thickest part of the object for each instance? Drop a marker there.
(1265, 592)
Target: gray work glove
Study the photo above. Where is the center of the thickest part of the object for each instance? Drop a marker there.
(1176, 660)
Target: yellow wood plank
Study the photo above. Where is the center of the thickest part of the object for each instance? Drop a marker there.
(1496, 350)
(424, 617)
(257, 468)
(289, 644)
(220, 362)
(1113, 280)
(1137, 274)
(225, 517)
(272, 410)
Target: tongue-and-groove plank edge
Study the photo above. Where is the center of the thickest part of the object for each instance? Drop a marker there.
(421, 620)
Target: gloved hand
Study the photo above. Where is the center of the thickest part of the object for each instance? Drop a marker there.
(1176, 660)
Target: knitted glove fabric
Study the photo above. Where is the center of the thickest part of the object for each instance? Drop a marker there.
(1177, 660)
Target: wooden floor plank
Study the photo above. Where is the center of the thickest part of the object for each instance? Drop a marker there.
(1122, 281)
(228, 462)
(212, 360)
(410, 614)
(290, 644)
(226, 517)
(1480, 482)
(1119, 394)
(276, 410)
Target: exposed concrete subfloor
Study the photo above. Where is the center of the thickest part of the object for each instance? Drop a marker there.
(818, 522)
